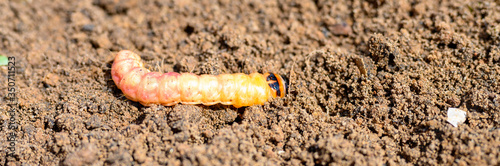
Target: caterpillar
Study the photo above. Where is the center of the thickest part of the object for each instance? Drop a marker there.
(141, 85)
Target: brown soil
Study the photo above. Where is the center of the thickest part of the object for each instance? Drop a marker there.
(371, 82)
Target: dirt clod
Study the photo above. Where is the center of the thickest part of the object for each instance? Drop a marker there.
(88, 154)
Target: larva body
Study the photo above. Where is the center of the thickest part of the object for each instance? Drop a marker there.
(139, 84)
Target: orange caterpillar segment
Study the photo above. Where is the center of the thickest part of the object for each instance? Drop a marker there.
(139, 84)
(190, 88)
(168, 89)
(211, 84)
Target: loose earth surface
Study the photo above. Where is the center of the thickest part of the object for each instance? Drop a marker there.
(370, 82)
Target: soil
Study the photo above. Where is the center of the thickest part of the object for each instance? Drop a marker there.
(370, 82)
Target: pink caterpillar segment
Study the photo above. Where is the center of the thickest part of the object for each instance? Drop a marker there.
(139, 84)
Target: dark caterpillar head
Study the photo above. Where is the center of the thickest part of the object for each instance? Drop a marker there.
(278, 84)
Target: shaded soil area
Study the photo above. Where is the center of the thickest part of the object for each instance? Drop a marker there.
(370, 82)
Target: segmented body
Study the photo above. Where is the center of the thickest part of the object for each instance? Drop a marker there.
(139, 84)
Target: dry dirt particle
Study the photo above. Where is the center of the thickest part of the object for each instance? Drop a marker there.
(85, 156)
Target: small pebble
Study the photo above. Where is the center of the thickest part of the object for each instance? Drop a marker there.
(456, 116)
(88, 27)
